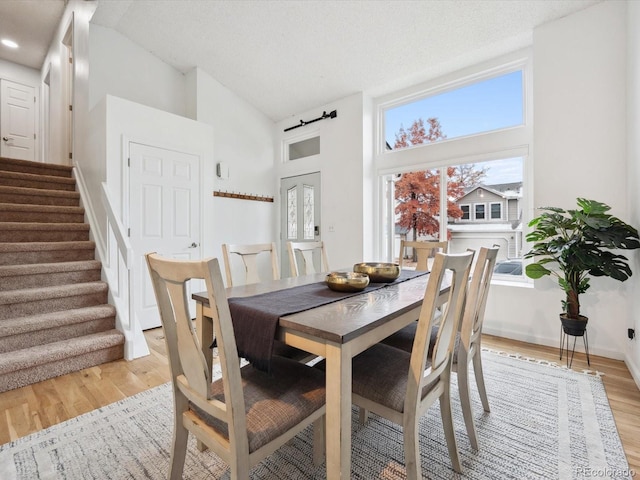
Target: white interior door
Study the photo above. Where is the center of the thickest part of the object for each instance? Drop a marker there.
(164, 217)
(300, 214)
(17, 120)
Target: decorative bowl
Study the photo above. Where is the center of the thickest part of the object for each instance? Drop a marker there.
(347, 281)
(378, 272)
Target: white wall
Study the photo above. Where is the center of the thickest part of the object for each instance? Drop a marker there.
(243, 139)
(123, 69)
(341, 164)
(632, 357)
(19, 74)
(579, 150)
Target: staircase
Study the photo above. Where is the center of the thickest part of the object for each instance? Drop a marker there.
(54, 315)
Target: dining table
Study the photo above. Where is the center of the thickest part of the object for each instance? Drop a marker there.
(337, 331)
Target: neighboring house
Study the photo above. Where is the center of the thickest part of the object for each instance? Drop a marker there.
(491, 215)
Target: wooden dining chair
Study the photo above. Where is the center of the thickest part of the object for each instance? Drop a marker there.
(245, 415)
(468, 339)
(306, 251)
(400, 386)
(249, 255)
(422, 252)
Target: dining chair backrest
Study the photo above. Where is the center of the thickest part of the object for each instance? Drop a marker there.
(422, 252)
(305, 251)
(237, 415)
(249, 255)
(455, 267)
(478, 291)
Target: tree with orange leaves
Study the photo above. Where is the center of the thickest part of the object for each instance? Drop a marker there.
(418, 193)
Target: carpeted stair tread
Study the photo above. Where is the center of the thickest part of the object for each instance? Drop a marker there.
(17, 325)
(30, 301)
(59, 291)
(13, 277)
(22, 212)
(26, 332)
(16, 270)
(38, 196)
(31, 180)
(45, 252)
(43, 232)
(51, 354)
(13, 165)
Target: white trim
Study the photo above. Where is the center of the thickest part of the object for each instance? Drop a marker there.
(300, 137)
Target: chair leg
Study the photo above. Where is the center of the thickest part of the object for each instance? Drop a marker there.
(477, 370)
(412, 449)
(465, 403)
(449, 432)
(319, 441)
(363, 416)
(180, 437)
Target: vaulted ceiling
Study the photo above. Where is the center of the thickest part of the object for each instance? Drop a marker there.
(286, 56)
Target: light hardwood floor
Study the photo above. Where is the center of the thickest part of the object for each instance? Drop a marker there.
(35, 407)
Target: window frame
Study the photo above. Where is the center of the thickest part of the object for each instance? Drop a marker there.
(468, 205)
(486, 146)
(476, 218)
(491, 217)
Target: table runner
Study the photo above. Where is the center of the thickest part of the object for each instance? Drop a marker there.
(255, 318)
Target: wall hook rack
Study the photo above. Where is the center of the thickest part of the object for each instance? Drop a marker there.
(324, 115)
(242, 196)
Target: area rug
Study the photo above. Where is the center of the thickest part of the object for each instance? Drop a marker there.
(546, 422)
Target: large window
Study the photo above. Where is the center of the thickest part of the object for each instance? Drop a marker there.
(471, 191)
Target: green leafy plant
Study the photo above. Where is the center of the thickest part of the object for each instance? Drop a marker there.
(574, 245)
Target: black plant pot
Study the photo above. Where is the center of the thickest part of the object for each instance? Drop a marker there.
(574, 327)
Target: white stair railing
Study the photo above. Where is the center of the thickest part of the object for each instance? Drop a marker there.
(116, 256)
(117, 264)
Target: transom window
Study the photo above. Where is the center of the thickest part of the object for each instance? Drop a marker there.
(492, 104)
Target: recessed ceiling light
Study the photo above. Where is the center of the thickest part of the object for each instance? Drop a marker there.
(9, 43)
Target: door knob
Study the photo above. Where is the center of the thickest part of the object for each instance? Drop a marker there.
(193, 245)
(6, 139)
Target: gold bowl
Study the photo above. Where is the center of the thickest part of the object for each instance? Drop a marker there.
(378, 272)
(347, 281)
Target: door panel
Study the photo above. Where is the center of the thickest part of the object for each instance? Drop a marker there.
(17, 120)
(164, 216)
(300, 214)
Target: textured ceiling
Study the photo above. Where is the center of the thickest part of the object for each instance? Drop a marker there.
(286, 57)
(32, 24)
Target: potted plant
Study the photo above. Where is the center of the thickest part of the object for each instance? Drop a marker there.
(574, 245)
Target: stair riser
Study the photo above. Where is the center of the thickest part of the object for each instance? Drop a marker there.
(33, 307)
(44, 256)
(49, 335)
(72, 201)
(35, 183)
(51, 279)
(41, 217)
(38, 373)
(15, 236)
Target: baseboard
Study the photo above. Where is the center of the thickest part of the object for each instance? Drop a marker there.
(89, 212)
(549, 342)
(633, 369)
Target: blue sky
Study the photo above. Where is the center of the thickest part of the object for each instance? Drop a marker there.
(487, 105)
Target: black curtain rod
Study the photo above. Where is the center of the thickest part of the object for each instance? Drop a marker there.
(302, 123)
